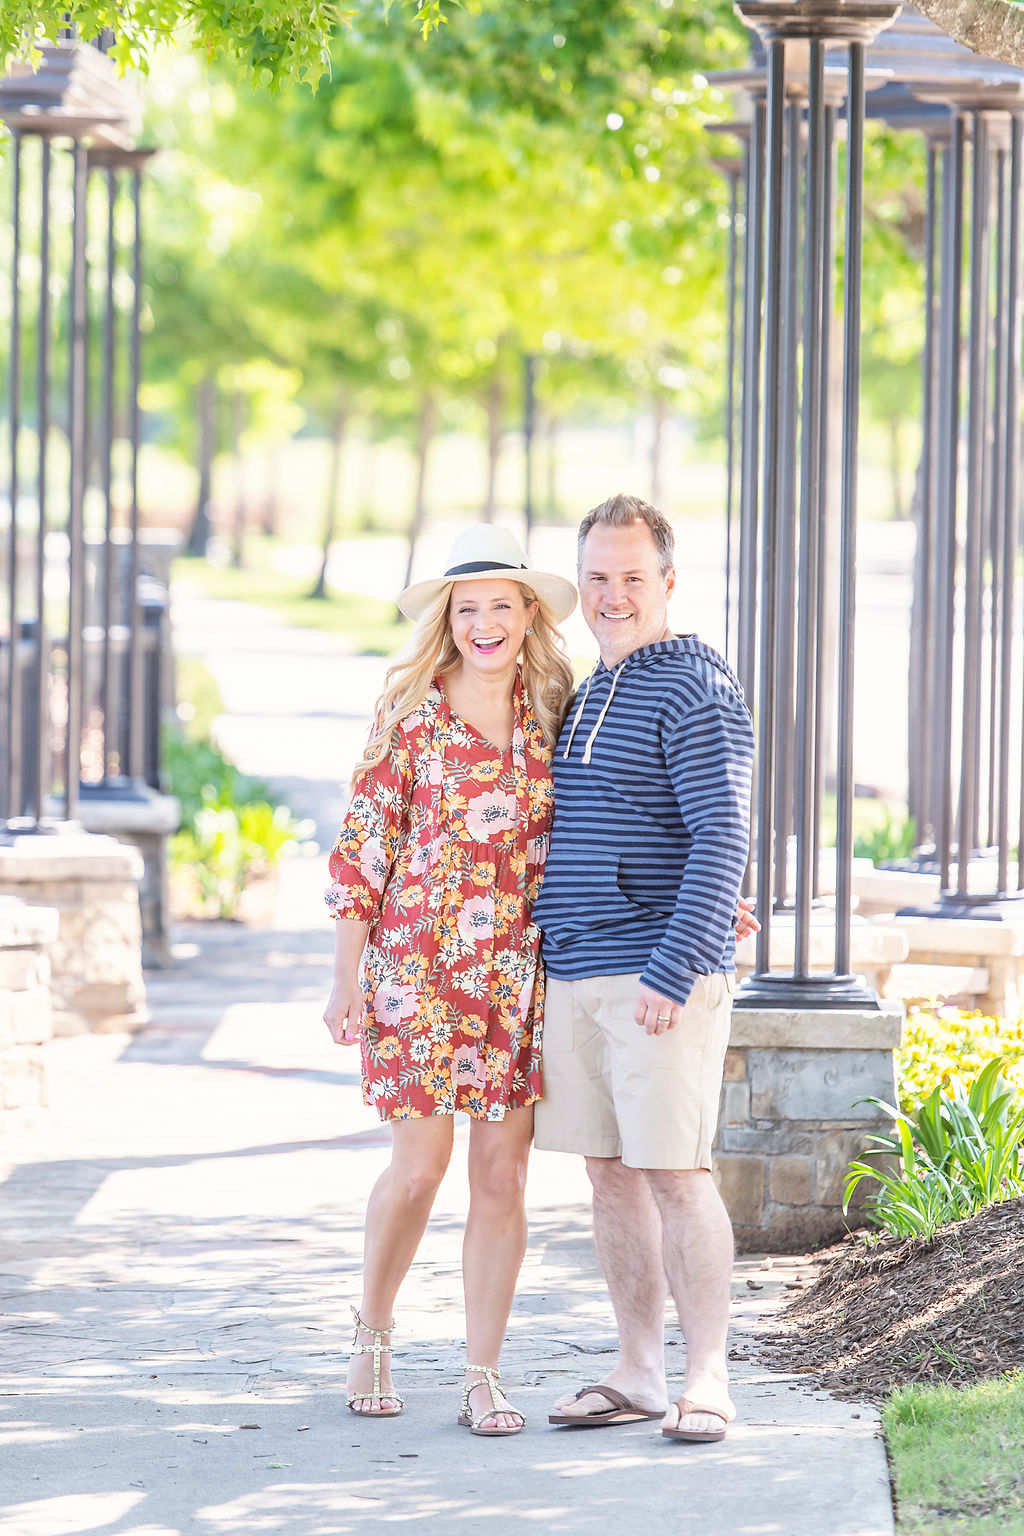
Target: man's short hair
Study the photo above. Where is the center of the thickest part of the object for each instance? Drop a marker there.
(622, 512)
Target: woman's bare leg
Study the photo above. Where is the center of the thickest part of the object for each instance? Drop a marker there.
(495, 1242)
(396, 1215)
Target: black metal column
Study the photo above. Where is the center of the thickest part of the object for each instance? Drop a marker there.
(77, 372)
(12, 787)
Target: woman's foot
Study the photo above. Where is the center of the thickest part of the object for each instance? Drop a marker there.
(485, 1408)
(369, 1386)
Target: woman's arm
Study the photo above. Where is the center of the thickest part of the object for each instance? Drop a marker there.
(344, 1012)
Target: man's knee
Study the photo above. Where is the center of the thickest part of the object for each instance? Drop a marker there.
(611, 1179)
(686, 1189)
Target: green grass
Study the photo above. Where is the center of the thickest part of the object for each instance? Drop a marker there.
(367, 623)
(957, 1458)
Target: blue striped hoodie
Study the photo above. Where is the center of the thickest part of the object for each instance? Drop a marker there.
(652, 806)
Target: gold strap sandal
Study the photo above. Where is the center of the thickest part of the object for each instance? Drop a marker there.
(499, 1404)
(376, 1349)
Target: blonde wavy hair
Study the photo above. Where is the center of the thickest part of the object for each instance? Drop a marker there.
(547, 675)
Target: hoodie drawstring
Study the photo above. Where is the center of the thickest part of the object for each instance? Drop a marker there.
(600, 719)
(579, 713)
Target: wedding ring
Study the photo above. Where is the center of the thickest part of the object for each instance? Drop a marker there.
(663, 1018)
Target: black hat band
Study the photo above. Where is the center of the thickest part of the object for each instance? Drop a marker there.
(483, 565)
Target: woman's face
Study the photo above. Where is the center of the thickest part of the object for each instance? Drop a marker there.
(489, 621)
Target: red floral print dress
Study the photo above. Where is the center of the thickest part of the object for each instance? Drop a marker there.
(442, 853)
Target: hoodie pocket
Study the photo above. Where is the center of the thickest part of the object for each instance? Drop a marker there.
(648, 887)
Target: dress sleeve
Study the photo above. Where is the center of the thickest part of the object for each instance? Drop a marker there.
(366, 846)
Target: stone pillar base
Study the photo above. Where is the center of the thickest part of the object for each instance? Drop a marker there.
(790, 1125)
(26, 1013)
(96, 956)
(144, 823)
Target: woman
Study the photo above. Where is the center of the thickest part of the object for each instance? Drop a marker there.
(434, 876)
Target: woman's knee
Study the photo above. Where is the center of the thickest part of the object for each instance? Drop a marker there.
(418, 1183)
(500, 1179)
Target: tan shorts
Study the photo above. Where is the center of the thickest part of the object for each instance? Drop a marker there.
(612, 1090)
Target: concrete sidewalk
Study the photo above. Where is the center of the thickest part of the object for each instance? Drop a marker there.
(178, 1247)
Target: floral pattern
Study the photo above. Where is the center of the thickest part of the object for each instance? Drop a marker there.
(442, 853)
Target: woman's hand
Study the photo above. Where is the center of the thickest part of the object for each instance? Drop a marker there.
(344, 1012)
(745, 922)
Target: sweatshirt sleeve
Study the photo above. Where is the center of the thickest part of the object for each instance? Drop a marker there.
(709, 757)
(366, 846)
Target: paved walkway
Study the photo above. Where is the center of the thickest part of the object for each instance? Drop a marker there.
(180, 1239)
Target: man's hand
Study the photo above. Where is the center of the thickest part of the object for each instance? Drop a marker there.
(655, 1013)
(745, 922)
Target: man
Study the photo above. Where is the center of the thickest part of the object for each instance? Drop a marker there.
(649, 844)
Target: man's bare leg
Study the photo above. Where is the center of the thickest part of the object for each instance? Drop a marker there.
(628, 1240)
(697, 1246)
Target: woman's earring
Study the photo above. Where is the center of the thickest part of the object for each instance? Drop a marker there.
(529, 629)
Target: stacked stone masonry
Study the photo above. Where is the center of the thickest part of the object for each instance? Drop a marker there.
(791, 1121)
(26, 1014)
(95, 956)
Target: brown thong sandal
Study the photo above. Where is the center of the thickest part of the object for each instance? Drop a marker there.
(622, 1411)
(701, 1436)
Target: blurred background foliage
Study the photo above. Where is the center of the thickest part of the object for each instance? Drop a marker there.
(358, 229)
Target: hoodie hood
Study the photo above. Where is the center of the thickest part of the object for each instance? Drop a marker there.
(679, 649)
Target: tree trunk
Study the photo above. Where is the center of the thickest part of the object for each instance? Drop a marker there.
(495, 415)
(659, 416)
(237, 411)
(332, 497)
(367, 484)
(896, 468)
(551, 426)
(428, 421)
(272, 492)
(993, 28)
(206, 410)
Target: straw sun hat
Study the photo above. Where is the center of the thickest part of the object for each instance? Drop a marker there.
(484, 552)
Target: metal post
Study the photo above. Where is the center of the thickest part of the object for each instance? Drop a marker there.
(750, 407)
(774, 205)
(1011, 485)
(787, 588)
(136, 675)
(996, 457)
(730, 401)
(41, 676)
(77, 374)
(946, 542)
(815, 404)
(828, 201)
(922, 691)
(848, 501)
(107, 469)
(973, 571)
(13, 759)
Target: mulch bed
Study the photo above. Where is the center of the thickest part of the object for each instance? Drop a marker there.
(903, 1310)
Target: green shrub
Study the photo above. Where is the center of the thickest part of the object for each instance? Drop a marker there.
(895, 837)
(962, 1150)
(232, 828)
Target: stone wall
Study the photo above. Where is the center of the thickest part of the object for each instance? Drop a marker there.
(790, 1122)
(96, 954)
(26, 1013)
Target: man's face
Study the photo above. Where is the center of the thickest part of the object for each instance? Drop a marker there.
(622, 593)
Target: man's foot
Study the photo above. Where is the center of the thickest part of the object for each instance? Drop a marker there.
(368, 1383)
(647, 1395)
(702, 1413)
